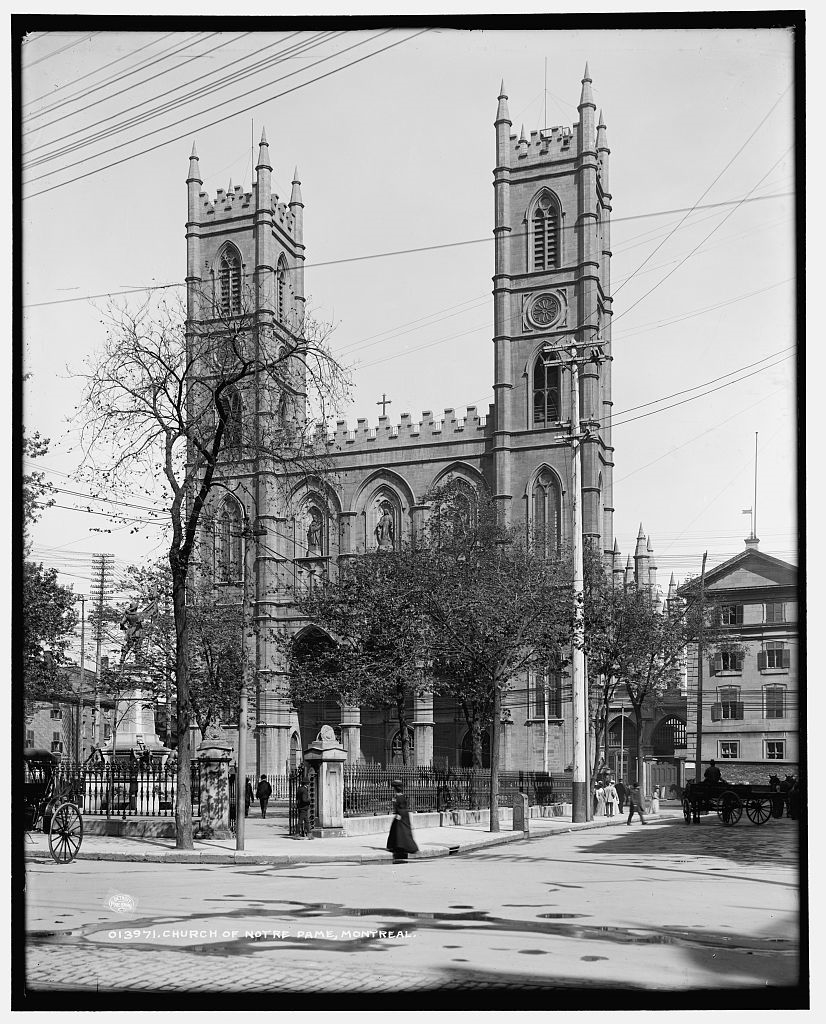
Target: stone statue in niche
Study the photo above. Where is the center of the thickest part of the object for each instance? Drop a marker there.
(314, 532)
(385, 529)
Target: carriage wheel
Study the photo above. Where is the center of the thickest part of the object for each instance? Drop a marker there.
(759, 810)
(65, 833)
(731, 809)
(687, 810)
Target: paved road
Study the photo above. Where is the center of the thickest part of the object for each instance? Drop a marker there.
(662, 907)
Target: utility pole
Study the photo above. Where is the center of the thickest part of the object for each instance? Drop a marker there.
(78, 730)
(699, 750)
(580, 779)
(102, 566)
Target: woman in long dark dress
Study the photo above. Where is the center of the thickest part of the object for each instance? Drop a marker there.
(400, 841)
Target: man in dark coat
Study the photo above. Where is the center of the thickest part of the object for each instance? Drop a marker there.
(302, 805)
(635, 803)
(263, 794)
(400, 841)
(621, 794)
(712, 773)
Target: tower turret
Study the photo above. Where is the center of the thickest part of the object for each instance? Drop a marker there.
(629, 573)
(652, 568)
(297, 210)
(193, 236)
(263, 230)
(641, 560)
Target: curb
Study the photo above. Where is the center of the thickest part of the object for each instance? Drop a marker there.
(374, 857)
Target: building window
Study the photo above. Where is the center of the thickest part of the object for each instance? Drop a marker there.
(729, 749)
(396, 748)
(774, 701)
(545, 513)
(233, 410)
(57, 743)
(775, 655)
(56, 714)
(228, 544)
(229, 277)
(731, 662)
(30, 737)
(775, 611)
(728, 706)
(775, 750)
(731, 615)
(544, 690)
(107, 732)
(282, 291)
(546, 407)
(545, 234)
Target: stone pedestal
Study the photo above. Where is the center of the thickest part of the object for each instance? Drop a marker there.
(214, 757)
(326, 757)
(423, 730)
(351, 732)
(521, 817)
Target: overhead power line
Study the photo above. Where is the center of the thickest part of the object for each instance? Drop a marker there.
(227, 117)
(62, 49)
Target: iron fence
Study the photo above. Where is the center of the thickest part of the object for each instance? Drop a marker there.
(368, 789)
(122, 790)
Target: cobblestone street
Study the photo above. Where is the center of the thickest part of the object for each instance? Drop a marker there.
(652, 909)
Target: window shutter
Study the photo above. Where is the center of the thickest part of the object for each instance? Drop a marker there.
(716, 712)
(761, 660)
(738, 709)
(715, 664)
(786, 658)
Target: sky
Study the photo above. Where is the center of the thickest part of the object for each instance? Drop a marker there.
(396, 152)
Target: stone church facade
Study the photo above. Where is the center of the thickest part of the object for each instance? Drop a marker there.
(551, 289)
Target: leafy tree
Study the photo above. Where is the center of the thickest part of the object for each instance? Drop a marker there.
(380, 645)
(48, 621)
(48, 613)
(163, 401)
(495, 607)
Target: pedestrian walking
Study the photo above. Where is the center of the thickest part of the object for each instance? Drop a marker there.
(400, 840)
(621, 794)
(263, 793)
(635, 803)
(599, 792)
(248, 798)
(610, 799)
(302, 803)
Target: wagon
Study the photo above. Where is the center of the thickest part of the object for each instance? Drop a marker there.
(53, 803)
(729, 800)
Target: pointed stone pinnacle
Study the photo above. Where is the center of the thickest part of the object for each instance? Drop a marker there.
(296, 179)
(502, 93)
(587, 75)
(194, 154)
(641, 532)
(601, 123)
(522, 136)
(263, 141)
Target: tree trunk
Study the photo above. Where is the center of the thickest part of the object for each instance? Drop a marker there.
(183, 801)
(476, 739)
(638, 741)
(495, 729)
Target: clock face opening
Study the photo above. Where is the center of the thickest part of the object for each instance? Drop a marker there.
(545, 310)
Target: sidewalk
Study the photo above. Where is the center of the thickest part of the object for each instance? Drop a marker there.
(266, 844)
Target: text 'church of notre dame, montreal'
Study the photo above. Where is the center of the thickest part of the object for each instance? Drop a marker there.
(551, 285)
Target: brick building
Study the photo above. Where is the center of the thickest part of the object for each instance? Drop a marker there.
(750, 700)
(551, 288)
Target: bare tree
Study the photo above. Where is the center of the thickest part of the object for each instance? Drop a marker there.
(173, 400)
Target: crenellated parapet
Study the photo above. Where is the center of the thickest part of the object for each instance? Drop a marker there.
(232, 203)
(428, 429)
(557, 143)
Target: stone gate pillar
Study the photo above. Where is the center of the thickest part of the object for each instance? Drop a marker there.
(214, 758)
(423, 729)
(351, 731)
(326, 757)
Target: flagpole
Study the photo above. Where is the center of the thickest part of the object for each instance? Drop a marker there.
(754, 514)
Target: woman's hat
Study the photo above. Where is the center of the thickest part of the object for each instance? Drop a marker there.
(397, 784)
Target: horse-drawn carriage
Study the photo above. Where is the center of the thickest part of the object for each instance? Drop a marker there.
(55, 804)
(729, 800)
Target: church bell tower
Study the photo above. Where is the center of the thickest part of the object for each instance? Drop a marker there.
(551, 290)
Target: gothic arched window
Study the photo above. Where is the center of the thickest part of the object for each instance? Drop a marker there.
(233, 408)
(229, 280)
(544, 233)
(228, 550)
(545, 513)
(546, 404)
(281, 279)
